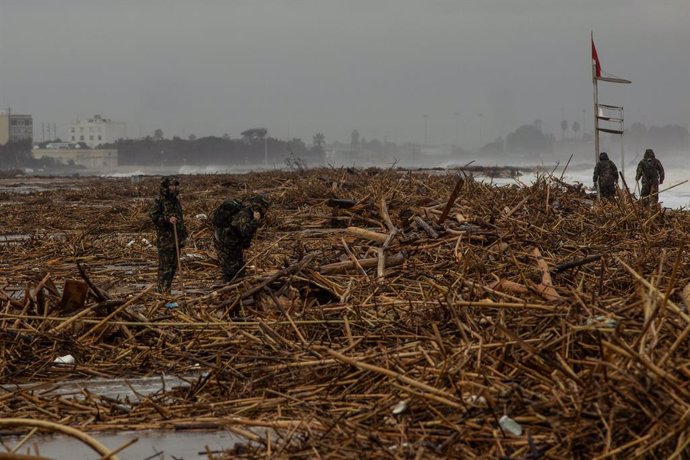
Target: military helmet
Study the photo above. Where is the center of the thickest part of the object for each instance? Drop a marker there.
(649, 153)
(603, 156)
(260, 202)
(167, 181)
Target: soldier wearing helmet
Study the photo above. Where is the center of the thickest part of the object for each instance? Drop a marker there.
(651, 172)
(166, 214)
(235, 224)
(605, 177)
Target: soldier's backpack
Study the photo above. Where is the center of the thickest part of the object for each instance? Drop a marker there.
(649, 172)
(222, 217)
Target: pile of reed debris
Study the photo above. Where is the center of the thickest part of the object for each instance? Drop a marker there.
(384, 314)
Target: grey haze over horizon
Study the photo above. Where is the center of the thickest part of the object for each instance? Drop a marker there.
(303, 66)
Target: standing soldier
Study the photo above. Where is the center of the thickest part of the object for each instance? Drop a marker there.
(652, 174)
(605, 177)
(235, 225)
(166, 214)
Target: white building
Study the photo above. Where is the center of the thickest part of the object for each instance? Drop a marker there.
(15, 127)
(96, 131)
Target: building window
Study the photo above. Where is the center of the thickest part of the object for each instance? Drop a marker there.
(90, 138)
(73, 129)
(81, 138)
(99, 137)
(81, 129)
(72, 137)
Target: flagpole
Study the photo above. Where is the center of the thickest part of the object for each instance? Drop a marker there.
(596, 106)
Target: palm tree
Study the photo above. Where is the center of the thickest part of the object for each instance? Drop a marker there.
(564, 127)
(319, 140)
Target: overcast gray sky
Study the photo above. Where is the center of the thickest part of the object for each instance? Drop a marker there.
(302, 66)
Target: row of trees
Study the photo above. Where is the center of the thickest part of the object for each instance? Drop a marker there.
(254, 147)
(669, 137)
(528, 139)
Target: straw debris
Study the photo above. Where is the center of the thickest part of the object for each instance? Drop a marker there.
(405, 324)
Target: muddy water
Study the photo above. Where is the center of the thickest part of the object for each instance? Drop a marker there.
(152, 444)
(158, 445)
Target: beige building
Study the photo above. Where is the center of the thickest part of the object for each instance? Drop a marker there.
(96, 131)
(92, 159)
(15, 127)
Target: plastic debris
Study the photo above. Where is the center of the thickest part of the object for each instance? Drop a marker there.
(130, 243)
(510, 425)
(171, 305)
(476, 400)
(67, 359)
(400, 408)
(602, 322)
(201, 217)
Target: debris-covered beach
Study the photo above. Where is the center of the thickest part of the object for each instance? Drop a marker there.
(383, 314)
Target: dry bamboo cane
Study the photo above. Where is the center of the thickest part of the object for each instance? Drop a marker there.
(56, 427)
(179, 262)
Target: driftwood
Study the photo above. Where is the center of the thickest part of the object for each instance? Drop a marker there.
(575, 263)
(419, 361)
(509, 286)
(545, 288)
(451, 200)
(426, 227)
(340, 203)
(341, 267)
(367, 234)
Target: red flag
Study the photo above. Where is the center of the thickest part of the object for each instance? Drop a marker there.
(595, 60)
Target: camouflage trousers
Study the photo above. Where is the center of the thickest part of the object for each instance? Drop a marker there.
(649, 193)
(167, 266)
(607, 190)
(231, 259)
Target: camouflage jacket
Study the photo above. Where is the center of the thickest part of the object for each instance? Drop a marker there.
(650, 171)
(165, 207)
(235, 224)
(605, 172)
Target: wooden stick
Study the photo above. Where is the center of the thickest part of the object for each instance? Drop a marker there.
(451, 200)
(179, 262)
(340, 267)
(118, 310)
(426, 227)
(367, 234)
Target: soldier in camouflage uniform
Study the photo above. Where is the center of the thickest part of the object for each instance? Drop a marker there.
(652, 174)
(166, 214)
(605, 177)
(235, 225)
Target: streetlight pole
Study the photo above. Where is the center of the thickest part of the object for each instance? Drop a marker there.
(426, 129)
(481, 136)
(266, 150)
(583, 122)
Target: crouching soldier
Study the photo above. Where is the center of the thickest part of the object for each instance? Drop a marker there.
(235, 225)
(605, 177)
(166, 214)
(652, 174)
